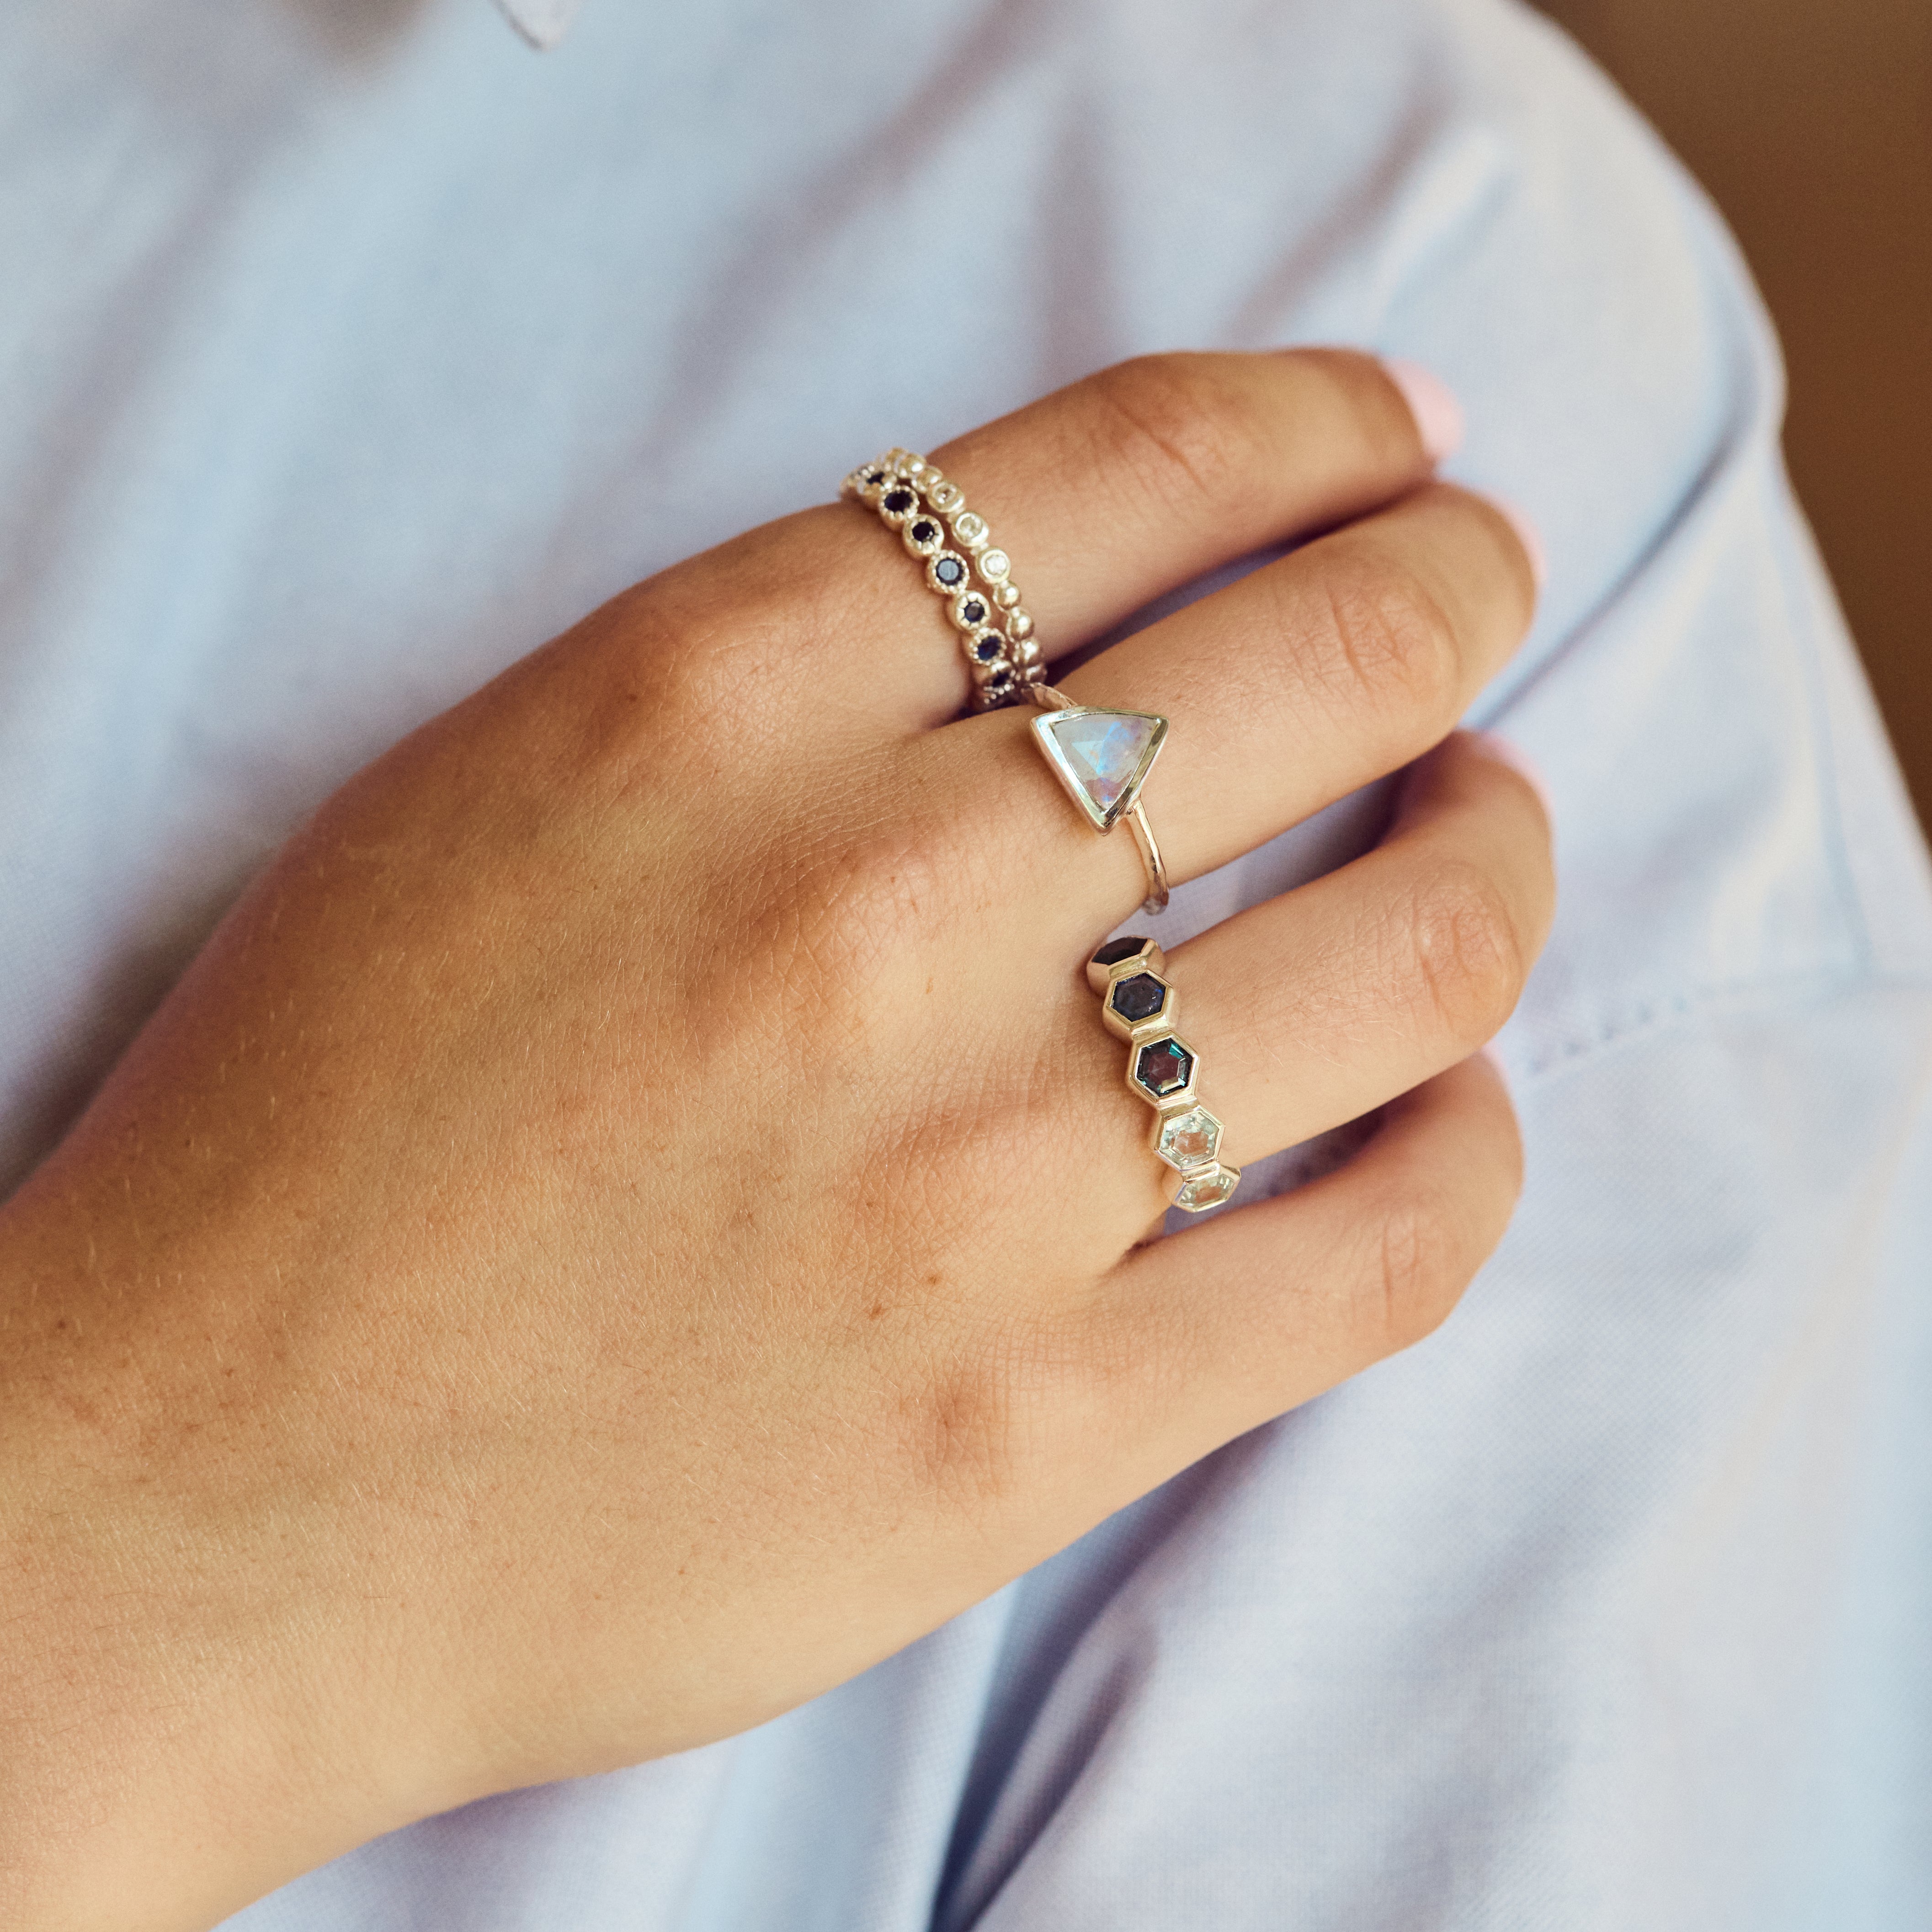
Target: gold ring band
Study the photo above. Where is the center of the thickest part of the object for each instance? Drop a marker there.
(1138, 1002)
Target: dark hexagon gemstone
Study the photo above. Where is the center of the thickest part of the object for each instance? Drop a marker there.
(1138, 997)
(1165, 1067)
(999, 684)
(950, 570)
(1115, 950)
(974, 611)
(899, 501)
(925, 530)
(986, 649)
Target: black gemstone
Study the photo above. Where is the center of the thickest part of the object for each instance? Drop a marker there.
(1115, 950)
(925, 530)
(876, 477)
(1165, 1067)
(987, 648)
(1138, 998)
(974, 611)
(1001, 686)
(950, 570)
(898, 501)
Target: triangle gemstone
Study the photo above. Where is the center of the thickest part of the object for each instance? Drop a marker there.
(1103, 751)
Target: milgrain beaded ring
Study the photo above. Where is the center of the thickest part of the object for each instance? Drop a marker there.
(930, 514)
(1137, 1002)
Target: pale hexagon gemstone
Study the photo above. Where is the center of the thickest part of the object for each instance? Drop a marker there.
(1199, 1191)
(1189, 1138)
(994, 564)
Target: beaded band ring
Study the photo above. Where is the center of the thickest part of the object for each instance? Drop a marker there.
(930, 514)
(1137, 1002)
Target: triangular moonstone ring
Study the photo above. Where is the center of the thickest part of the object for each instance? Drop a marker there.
(1102, 758)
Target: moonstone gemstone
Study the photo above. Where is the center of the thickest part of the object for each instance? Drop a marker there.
(1103, 751)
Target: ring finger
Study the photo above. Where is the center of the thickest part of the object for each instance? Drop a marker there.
(1315, 1007)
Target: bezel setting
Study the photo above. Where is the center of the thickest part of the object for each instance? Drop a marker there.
(1053, 731)
(1132, 989)
(1168, 1099)
(1204, 1187)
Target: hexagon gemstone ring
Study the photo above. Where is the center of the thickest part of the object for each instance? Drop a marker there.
(1137, 1002)
(1102, 759)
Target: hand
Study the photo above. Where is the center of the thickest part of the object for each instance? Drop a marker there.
(634, 1216)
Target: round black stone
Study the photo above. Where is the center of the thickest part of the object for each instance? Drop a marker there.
(898, 501)
(876, 477)
(950, 570)
(1000, 685)
(1115, 950)
(1138, 997)
(925, 530)
(974, 611)
(986, 649)
(1165, 1067)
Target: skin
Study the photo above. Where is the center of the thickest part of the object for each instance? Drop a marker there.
(634, 1217)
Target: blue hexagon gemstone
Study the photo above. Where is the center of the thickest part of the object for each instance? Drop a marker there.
(1165, 1067)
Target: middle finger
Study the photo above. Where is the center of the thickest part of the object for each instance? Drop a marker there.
(1308, 678)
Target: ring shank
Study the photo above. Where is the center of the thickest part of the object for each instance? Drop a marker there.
(1137, 823)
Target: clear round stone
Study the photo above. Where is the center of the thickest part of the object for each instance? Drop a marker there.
(994, 566)
(943, 496)
(1188, 1139)
(1200, 1192)
(970, 527)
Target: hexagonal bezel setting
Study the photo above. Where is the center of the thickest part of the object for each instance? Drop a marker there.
(1139, 1005)
(1207, 1187)
(1129, 953)
(1188, 1138)
(1161, 1070)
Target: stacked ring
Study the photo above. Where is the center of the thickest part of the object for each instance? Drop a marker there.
(927, 510)
(1138, 1002)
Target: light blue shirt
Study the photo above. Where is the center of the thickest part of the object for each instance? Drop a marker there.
(348, 349)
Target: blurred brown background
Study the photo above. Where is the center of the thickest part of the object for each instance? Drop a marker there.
(1809, 121)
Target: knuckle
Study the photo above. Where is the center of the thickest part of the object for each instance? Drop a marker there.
(1390, 644)
(1466, 957)
(856, 906)
(1416, 1271)
(982, 1416)
(1166, 426)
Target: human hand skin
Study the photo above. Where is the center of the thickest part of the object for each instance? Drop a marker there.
(634, 1217)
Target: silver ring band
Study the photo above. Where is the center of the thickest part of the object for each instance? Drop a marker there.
(1138, 1002)
(929, 512)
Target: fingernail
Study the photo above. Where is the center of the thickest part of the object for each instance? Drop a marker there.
(1507, 751)
(1527, 534)
(1438, 416)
